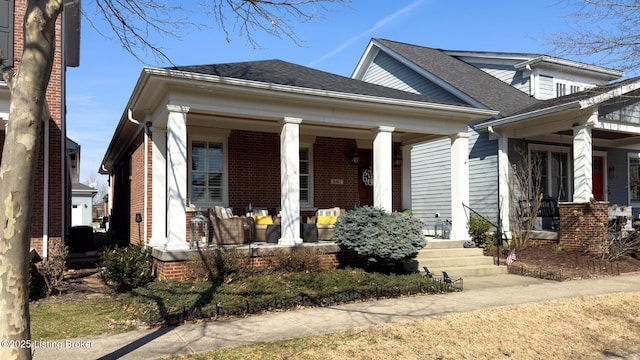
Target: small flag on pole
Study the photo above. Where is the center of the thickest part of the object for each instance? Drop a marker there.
(511, 258)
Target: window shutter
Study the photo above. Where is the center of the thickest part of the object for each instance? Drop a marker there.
(6, 30)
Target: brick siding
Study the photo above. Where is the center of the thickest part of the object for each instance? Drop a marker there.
(254, 175)
(254, 172)
(57, 197)
(136, 179)
(583, 226)
(180, 270)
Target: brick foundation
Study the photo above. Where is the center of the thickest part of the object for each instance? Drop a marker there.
(583, 225)
(176, 266)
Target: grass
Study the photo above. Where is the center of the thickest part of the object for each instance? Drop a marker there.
(173, 302)
(77, 319)
(582, 328)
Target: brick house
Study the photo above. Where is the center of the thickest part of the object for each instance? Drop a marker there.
(52, 192)
(279, 135)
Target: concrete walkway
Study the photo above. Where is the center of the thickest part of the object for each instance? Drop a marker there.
(479, 293)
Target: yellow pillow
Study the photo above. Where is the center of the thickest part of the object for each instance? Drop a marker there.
(327, 220)
(263, 219)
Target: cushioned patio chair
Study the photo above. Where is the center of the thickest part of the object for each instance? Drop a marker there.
(227, 229)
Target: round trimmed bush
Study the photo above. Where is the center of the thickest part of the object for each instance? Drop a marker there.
(379, 236)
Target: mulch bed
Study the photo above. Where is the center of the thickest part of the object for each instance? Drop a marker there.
(571, 264)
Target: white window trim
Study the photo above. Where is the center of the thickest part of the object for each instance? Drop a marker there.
(629, 156)
(558, 149)
(568, 84)
(225, 169)
(310, 203)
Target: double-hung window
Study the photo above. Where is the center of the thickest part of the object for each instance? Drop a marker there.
(554, 168)
(306, 177)
(634, 178)
(208, 185)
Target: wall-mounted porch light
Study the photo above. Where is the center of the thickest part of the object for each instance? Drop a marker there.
(354, 157)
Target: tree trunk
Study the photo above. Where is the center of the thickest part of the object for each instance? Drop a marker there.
(18, 170)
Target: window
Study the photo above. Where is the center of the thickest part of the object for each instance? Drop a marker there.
(634, 178)
(561, 89)
(306, 177)
(554, 171)
(574, 89)
(6, 30)
(207, 173)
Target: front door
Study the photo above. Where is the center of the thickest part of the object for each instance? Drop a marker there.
(598, 178)
(365, 178)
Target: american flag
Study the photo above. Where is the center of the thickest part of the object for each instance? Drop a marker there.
(511, 258)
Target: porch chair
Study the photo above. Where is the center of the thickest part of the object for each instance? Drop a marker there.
(226, 228)
(325, 220)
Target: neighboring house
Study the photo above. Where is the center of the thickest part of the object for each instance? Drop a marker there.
(270, 133)
(564, 112)
(52, 191)
(82, 204)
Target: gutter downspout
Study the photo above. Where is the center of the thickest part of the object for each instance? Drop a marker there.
(146, 178)
(45, 194)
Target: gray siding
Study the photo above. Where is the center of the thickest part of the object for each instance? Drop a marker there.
(627, 111)
(389, 72)
(431, 180)
(619, 185)
(6, 30)
(547, 91)
(483, 175)
(507, 74)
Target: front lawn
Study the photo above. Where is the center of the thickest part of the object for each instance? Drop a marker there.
(173, 302)
(170, 302)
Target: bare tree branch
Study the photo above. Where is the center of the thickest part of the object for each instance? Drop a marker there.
(135, 23)
(606, 29)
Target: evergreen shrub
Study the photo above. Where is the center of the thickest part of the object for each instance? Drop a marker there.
(380, 237)
(126, 268)
(479, 231)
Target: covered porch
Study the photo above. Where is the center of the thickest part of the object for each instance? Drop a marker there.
(211, 139)
(585, 142)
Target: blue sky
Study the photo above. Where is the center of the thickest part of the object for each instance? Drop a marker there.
(98, 90)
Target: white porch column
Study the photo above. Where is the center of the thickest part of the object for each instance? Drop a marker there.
(383, 168)
(504, 173)
(459, 185)
(290, 182)
(177, 178)
(406, 177)
(582, 163)
(158, 187)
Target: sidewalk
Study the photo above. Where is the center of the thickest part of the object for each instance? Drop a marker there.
(481, 292)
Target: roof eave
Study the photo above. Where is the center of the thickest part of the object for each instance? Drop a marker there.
(574, 105)
(250, 85)
(605, 72)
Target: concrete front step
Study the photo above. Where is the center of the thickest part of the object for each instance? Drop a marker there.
(448, 252)
(442, 262)
(443, 243)
(451, 256)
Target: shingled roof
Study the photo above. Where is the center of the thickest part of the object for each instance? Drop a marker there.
(286, 73)
(475, 83)
(578, 96)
